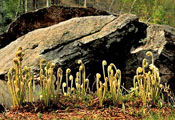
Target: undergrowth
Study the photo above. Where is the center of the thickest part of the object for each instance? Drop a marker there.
(146, 93)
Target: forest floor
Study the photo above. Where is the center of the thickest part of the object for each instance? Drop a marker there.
(88, 108)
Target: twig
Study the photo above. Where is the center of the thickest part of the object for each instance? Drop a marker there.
(17, 9)
(125, 89)
(132, 6)
(93, 84)
(122, 7)
(111, 5)
(149, 19)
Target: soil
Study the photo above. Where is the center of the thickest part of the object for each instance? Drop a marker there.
(43, 18)
(77, 108)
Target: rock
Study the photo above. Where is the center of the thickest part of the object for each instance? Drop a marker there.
(161, 41)
(5, 97)
(43, 18)
(2, 109)
(91, 39)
